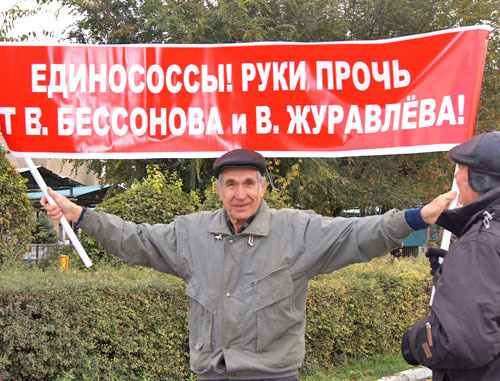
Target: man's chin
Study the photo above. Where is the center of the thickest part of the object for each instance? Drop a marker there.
(240, 215)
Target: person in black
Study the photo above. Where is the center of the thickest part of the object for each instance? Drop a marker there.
(460, 340)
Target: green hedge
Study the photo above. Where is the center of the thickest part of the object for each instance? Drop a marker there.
(130, 323)
(364, 309)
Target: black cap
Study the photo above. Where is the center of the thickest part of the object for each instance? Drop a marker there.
(481, 155)
(240, 158)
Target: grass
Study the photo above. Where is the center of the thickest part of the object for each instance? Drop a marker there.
(364, 369)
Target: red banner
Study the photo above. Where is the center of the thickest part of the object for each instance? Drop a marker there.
(411, 94)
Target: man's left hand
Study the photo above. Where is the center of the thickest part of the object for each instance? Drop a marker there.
(431, 211)
(434, 254)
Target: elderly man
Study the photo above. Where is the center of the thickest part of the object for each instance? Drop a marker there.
(461, 338)
(247, 266)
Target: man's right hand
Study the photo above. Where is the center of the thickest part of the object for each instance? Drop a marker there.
(432, 210)
(64, 207)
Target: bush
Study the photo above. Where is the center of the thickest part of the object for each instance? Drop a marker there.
(130, 323)
(17, 216)
(111, 325)
(363, 309)
(158, 198)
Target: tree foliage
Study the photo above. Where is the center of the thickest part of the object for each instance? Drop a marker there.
(194, 173)
(11, 16)
(17, 216)
(45, 232)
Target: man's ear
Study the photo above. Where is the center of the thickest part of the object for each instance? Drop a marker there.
(218, 189)
(264, 185)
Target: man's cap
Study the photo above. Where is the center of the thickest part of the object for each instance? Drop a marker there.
(481, 155)
(240, 158)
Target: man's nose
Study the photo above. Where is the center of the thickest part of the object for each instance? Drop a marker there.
(240, 193)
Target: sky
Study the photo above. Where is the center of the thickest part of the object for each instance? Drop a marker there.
(44, 20)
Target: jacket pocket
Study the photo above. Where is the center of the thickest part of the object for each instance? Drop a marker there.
(277, 319)
(200, 316)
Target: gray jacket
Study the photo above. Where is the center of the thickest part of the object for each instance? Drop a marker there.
(248, 291)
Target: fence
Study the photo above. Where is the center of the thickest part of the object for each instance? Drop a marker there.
(39, 252)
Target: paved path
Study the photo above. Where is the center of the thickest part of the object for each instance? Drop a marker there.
(417, 374)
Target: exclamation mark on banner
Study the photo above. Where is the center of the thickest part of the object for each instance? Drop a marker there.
(461, 103)
(220, 69)
(226, 77)
(229, 71)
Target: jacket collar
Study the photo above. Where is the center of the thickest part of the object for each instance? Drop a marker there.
(459, 221)
(260, 225)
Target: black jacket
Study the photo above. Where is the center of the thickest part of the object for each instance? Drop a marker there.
(460, 340)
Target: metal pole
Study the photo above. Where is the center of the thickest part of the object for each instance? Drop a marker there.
(64, 222)
(445, 242)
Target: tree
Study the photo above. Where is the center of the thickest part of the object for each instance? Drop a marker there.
(194, 173)
(17, 216)
(45, 232)
(9, 17)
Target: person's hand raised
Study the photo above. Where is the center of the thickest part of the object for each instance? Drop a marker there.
(63, 207)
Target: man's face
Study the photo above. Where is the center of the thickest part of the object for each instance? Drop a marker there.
(466, 194)
(241, 193)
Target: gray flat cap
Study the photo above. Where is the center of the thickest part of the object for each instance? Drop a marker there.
(482, 155)
(240, 158)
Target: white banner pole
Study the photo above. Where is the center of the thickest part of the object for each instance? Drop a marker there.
(64, 222)
(445, 242)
